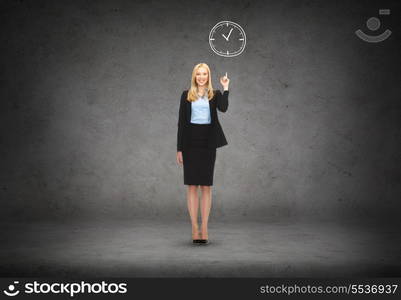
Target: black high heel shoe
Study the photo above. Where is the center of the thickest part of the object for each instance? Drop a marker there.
(203, 241)
(197, 241)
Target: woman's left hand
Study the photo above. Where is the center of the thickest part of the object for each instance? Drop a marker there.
(225, 81)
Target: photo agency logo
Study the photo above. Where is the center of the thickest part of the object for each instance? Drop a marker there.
(71, 289)
(373, 24)
(11, 289)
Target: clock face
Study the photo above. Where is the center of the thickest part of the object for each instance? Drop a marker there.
(227, 39)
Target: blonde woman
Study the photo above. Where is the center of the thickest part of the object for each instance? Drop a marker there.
(199, 134)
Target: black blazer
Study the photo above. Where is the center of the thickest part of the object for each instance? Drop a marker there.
(217, 138)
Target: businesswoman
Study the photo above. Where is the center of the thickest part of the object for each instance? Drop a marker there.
(199, 134)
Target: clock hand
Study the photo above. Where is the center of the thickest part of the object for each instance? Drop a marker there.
(227, 37)
(229, 34)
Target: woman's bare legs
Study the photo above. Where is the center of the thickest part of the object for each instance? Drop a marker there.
(206, 204)
(193, 205)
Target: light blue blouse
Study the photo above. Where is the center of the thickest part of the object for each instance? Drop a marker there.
(200, 112)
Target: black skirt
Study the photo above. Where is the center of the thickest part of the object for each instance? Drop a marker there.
(198, 159)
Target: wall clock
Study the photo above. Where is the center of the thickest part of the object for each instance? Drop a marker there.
(227, 39)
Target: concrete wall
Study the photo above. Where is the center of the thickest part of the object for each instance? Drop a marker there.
(90, 94)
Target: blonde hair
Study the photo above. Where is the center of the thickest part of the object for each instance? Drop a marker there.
(193, 93)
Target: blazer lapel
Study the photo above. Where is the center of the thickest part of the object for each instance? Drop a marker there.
(211, 102)
(189, 110)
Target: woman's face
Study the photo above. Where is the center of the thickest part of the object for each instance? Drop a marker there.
(201, 76)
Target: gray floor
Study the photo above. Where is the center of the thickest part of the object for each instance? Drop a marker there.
(164, 249)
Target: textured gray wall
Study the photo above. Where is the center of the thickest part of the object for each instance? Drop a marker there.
(90, 93)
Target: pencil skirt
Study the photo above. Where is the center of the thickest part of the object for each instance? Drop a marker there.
(198, 159)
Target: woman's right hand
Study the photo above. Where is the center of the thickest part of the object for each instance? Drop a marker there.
(179, 157)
